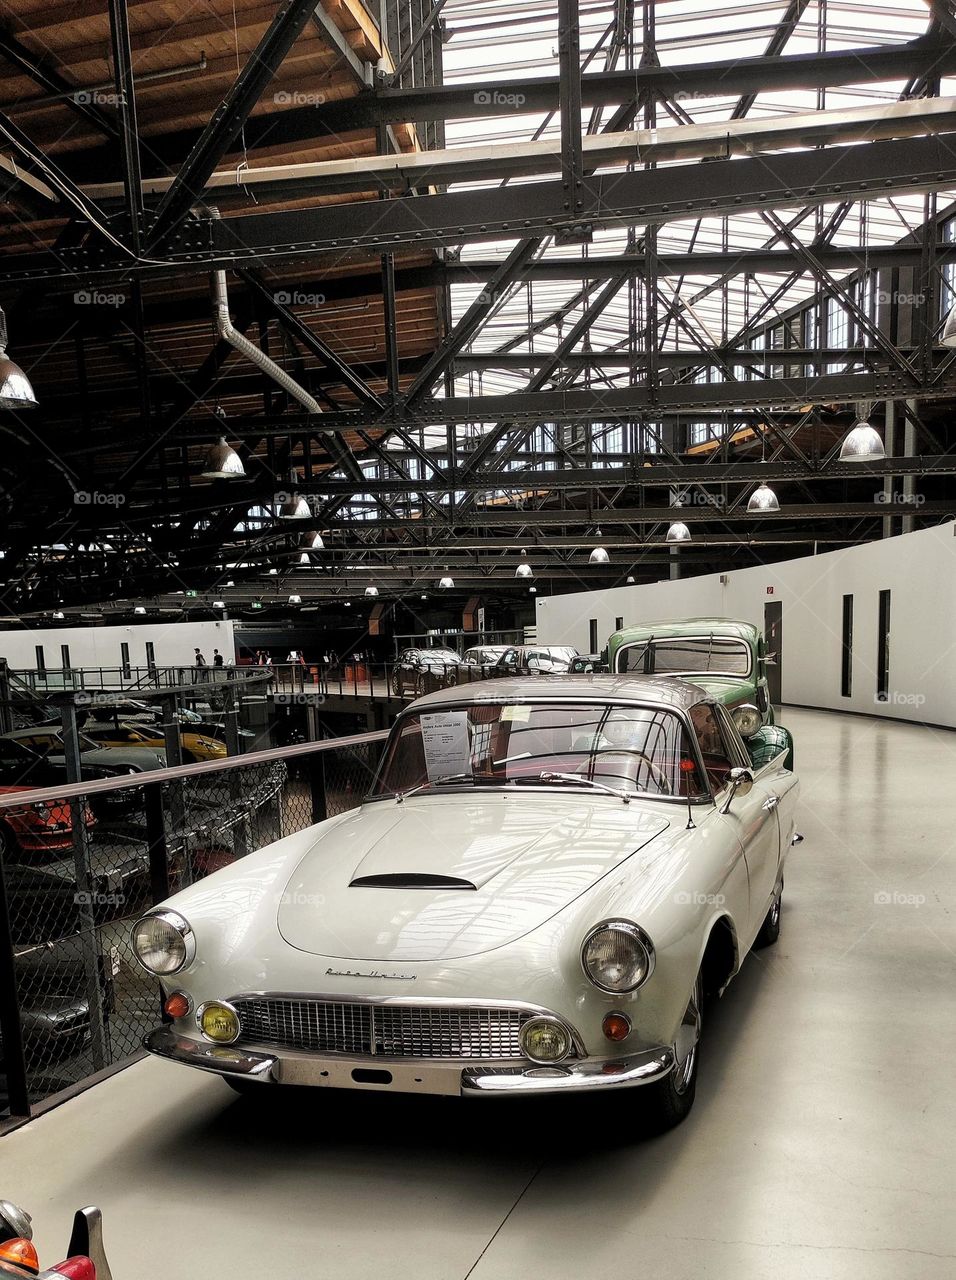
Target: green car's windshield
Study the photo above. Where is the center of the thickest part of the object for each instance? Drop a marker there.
(715, 655)
(640, 750)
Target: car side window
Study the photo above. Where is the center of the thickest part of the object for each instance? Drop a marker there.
(718, 760)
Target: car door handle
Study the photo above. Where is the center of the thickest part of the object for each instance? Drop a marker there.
(770, 803)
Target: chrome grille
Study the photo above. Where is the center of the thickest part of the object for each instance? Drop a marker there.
(392, 1030)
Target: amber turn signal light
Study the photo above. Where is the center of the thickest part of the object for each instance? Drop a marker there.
(21, 1253)
(177, 1006)
(616, 1026)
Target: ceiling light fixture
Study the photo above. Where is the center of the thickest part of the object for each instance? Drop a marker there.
(292, 505)
(677, 534)
(599, 555)
(223, 463)
(762, 499)
(15, 389)
(949, 330)
(862, 444)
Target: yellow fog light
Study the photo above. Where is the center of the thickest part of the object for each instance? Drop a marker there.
(545, 1040)
(218, 1022)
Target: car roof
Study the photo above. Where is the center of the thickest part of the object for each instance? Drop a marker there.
(664, 691)
(731, 627)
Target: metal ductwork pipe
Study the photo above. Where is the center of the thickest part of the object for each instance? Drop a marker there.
(226, 331)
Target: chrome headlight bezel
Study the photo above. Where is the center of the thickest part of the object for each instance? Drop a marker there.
(218, 1004)
(748, 719)
(185, 952)
(636, 935)
(549, 1020)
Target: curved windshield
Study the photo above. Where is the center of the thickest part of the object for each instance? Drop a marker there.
(630, 749)
(690, 655)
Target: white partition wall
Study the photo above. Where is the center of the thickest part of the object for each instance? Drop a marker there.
(918, 570)
(174, 644)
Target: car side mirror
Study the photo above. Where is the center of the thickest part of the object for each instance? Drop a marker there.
(741, 782)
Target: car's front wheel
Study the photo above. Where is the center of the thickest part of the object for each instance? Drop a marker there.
(249, 1088)
(770, 929)
(669, 1100)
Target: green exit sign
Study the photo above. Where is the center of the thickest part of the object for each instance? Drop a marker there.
(255, 605)
(192, 594)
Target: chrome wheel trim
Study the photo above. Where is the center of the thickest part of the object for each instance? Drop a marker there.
(685, 1046)
(775, 911)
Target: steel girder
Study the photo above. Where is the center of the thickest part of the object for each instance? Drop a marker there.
(643, 198)
(231, 114)
(604, 404)
(481, 98)
(629, 473)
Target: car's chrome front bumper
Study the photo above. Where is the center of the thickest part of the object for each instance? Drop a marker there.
(404, 1075)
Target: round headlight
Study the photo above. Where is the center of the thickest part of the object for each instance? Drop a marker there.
(747, 719)
(545, 1040)
(163, 943)
(218, 1022)
(618, 956)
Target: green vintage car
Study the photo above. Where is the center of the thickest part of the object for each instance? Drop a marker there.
(727, 658)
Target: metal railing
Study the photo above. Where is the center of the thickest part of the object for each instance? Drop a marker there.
(80, 862)
(131, 680)
(365, 678)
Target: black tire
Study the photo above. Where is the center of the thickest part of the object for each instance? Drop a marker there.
(669, 1101)
(770, 929)
(247, 1088)
(420, 689)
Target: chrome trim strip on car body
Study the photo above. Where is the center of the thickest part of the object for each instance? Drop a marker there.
(226, 1060)
(404, 1076)
(592, 1074)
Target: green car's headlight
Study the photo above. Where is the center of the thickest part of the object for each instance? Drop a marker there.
(163, 942)
(747, 719)
(618, 956)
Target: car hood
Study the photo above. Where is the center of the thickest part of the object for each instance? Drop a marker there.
(729, 689)
(439, 879)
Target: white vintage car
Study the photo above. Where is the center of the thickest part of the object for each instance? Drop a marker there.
(542, 886)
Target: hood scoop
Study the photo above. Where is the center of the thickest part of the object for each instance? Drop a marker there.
(410, 880)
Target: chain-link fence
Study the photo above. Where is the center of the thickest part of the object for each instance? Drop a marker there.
(79, 869)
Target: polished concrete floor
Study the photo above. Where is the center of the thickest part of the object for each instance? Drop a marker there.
(821, 1145)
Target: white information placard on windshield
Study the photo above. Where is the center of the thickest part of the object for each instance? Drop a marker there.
(446, 743)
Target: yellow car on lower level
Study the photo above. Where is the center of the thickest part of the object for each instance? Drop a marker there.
(195, 745)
